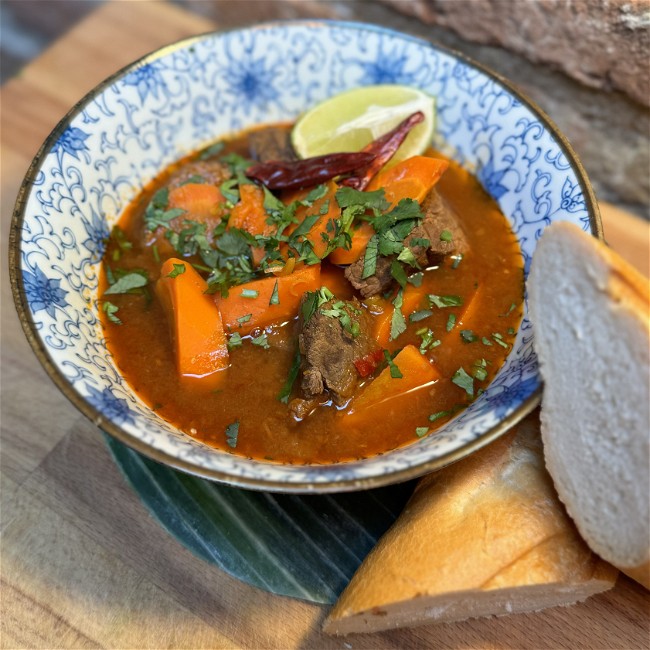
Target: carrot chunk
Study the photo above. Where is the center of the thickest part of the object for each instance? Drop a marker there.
(249, 215)
(412, 178)
(201, 201)
(387, 397)
(268, 301)
(360, 237)
(195, 323)
(322, 230)
(411, 300)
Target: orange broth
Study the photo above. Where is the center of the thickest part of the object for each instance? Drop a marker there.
(489, 278)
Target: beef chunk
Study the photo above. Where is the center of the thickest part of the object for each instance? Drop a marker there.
(271, 143)
(329, 349)
(211, 171)
(438, 217)
(377, 283)
(302, 408)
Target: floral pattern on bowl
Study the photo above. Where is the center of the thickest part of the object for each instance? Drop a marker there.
(189, 94)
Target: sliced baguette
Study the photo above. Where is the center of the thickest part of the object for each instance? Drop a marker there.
(486, 536)
(589, 310)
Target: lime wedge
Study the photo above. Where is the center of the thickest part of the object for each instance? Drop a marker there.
(351, 120)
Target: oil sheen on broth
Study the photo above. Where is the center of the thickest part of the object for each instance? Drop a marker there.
(459, 311)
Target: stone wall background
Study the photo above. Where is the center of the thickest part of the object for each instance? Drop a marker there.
(586, 63)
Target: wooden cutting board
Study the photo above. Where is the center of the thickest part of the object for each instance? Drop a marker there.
(83, 564)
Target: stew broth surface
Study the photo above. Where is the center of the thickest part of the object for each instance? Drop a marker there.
(489, 278)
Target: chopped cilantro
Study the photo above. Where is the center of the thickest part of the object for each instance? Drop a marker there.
(212, 150)
(249, 293)
(235, 341)
(283, 396)
(156, 254)
(178, 269)
(313, 300)
(397, 323)
(446, 235)
(442, 414)
(419, 241)
(309, 306)
(110, 310)
(512, 307)
(390, 241)
(468, 336)
(317, 193)
(370, 257)
(275, 296)
(262, 341)
(232, 432)
(420, 315)
(244, 319)
(236, 164)
(340, 310)
(230, 190)
(397, 271)
(127, 283)
(457, 259)
(444, 301)
(420, 432)
(464, 381)
(451, 322)
(428, 341)
(406, 209)
(230, 258)
(511, 331)
(480, 373)
(406, 255)
(416, 279)
(271, 202)
(395, 372)
(157, 214)
(349, 197)
(194, 179)
(304, 227)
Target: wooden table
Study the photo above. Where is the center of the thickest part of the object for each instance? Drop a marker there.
(83, 564)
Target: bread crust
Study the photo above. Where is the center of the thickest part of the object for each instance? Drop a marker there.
(485, 536)
(592, 337)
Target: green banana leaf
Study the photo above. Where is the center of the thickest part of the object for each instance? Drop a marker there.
(306, 547)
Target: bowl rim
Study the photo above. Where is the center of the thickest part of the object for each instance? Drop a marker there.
(257, 483)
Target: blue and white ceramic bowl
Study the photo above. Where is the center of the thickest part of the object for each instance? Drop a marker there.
(178, 99)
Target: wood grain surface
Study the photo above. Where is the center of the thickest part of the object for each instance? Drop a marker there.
(83, 564)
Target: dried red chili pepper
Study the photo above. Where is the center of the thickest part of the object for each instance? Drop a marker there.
(384, 149)
(295, 174)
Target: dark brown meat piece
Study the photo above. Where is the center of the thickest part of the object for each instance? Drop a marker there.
(211, 171)
(329, 351)
(438, 217)
(377, 283)
(271, 143)
(302, 408)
